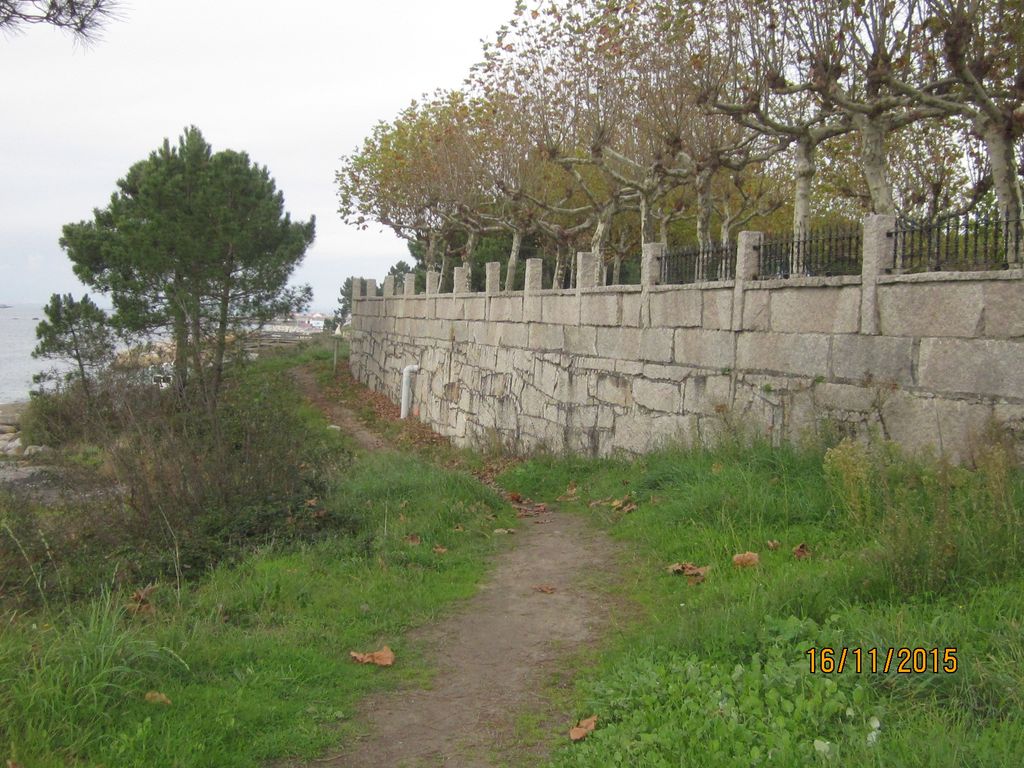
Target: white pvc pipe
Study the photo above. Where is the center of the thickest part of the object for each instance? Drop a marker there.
(407, 373)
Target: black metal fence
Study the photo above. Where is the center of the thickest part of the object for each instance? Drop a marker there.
(694, 264)
(822, 252)
(964, 243)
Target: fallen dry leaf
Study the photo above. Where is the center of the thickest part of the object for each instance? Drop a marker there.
(746, 560)
(385, 657)
(546, 589)
(583, 728)
(155, 697)
(800, 551)
(773, 545)
(570, 492)
(139, 603)
(458, 528)
(13, 764)
(694, 574)
(440, 550)
(515, 498)
(312, 502)
(504, 530)
(412, 539)
(716, 468)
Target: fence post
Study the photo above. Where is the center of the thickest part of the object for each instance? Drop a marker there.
(748, 245)
(433, 281)
(389, 286)
(877, 258)
(409, 284)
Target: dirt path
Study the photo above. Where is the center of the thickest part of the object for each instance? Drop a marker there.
(495, 654)
(338, 414)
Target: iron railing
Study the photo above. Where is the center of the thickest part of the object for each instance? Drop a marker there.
(822, 252)
(958, 243)
(696, 264)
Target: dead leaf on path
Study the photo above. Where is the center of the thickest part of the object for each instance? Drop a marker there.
(546, 589)
(694, 574)
(746, 560)
(155, 697)
(515, 498)
(541, 522)
(583, 728)
(139, 603)
(440, 550)
(570, 492)
(800, 551)
(412, 539)
(601, 502)
(504, 530)
(773, 545)
(385, 657)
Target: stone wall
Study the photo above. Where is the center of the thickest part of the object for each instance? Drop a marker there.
(932, 361)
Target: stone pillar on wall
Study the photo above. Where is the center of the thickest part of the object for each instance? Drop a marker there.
(409, 284)
(370, 288)
(534, 275)
(586, 271)
(389, 286)
(748, 245)
(433, 281)
(492, 285)
(650, 264)
(878, 259)
(532, 288)
(460, 279)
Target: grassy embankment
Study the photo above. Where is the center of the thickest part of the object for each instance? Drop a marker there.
(253, 653)
(904, 555)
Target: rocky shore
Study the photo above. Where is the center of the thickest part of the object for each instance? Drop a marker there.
(11, 442)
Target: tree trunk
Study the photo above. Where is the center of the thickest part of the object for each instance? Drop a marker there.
(180, 337)
(663, 230)
(1006, 181)
(513, 260)
(873, 163)
(431, 254)
(597, 242)
(704, 210)
(647, 234)
(805, 170)
(81, 363)
(558, 279)
(617, 268)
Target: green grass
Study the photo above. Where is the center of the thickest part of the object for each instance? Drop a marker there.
(904, 555)
(254, 656)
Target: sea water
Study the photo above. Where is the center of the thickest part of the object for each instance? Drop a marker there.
(17, 339)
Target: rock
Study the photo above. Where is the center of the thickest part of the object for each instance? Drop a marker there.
(13, 447)
(6, 437)
(7, 429)
(37, 450)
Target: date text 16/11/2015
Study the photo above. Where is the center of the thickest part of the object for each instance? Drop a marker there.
(904, 661)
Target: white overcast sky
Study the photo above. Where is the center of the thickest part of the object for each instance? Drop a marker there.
(296, 85)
